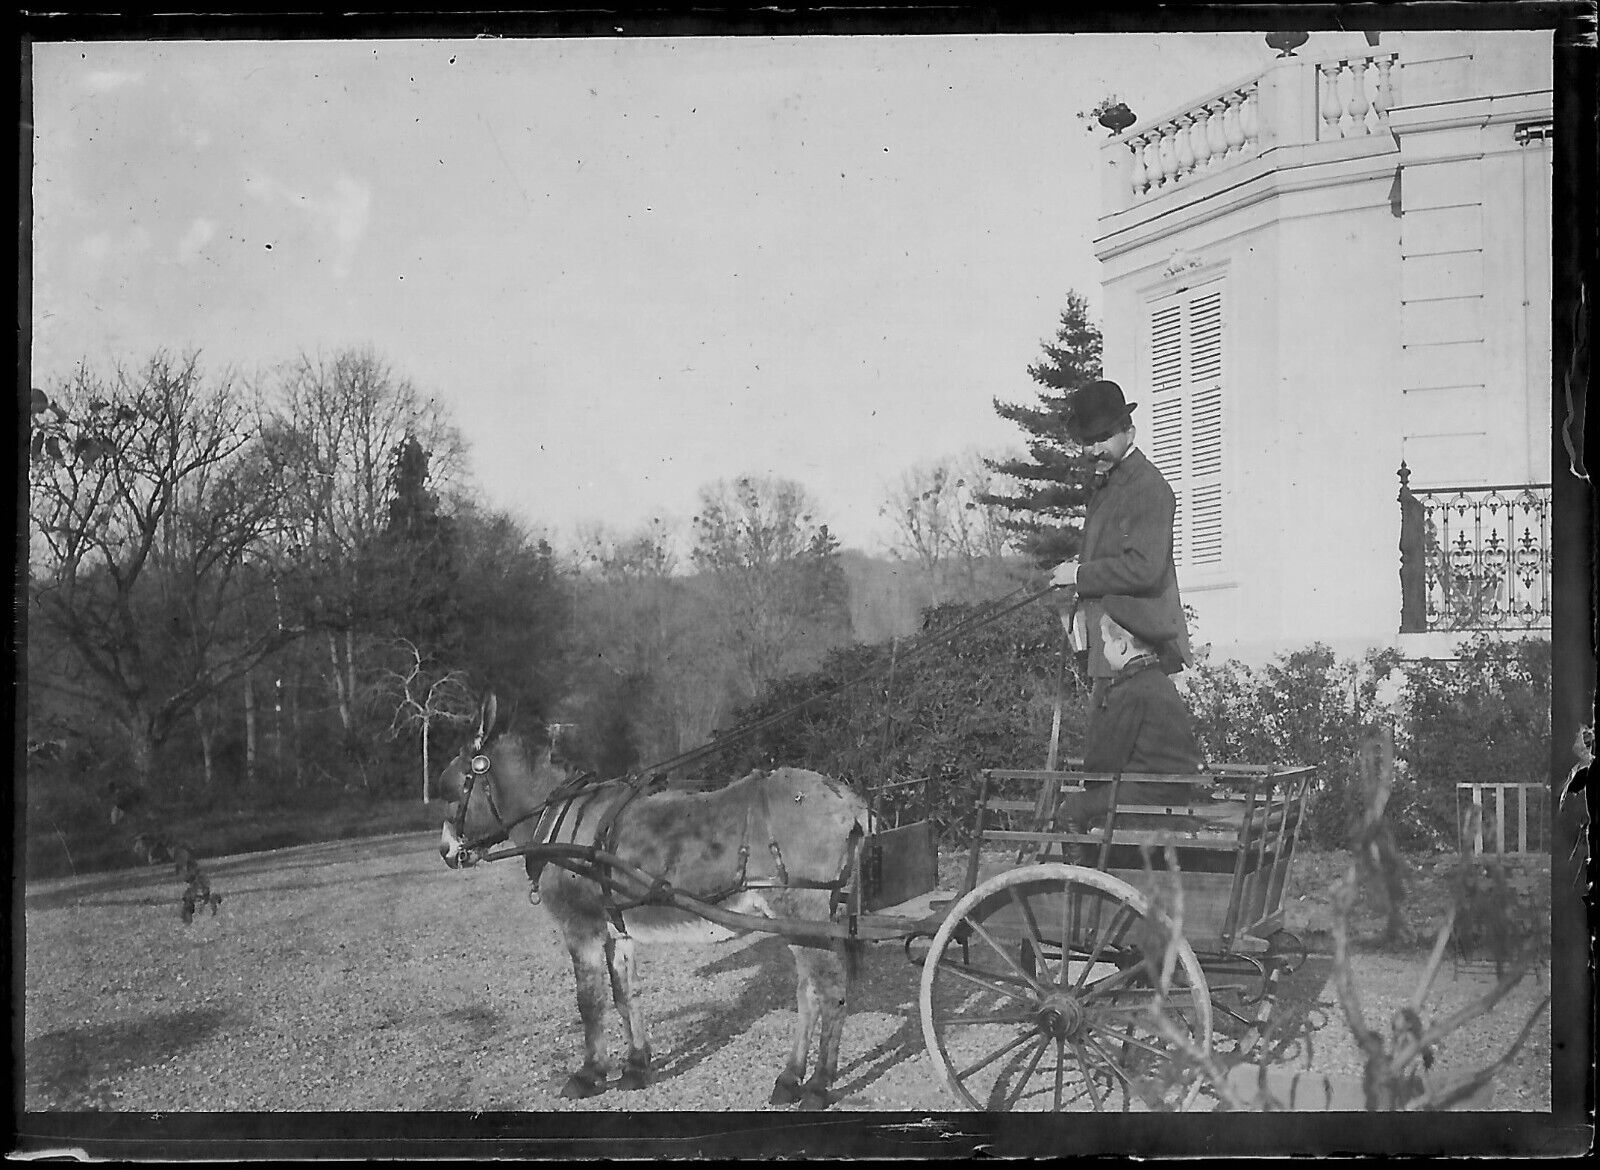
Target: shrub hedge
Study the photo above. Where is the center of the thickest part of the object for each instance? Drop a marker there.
(985, 699)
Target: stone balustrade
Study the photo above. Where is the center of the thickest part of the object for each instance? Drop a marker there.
(1218, 131)
(1354, 95)
(1295, 101)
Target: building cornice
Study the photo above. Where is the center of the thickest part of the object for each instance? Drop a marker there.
(1284, 170)
(1409, 121)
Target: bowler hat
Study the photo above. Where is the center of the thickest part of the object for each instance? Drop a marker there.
(1146, 618)
(1097, 412)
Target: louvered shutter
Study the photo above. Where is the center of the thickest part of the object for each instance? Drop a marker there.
(1186, 416)
(1204, 479)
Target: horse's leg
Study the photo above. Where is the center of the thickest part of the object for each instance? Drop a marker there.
(786, 1090)
(620, 961)
(830, 988)
(588, 952)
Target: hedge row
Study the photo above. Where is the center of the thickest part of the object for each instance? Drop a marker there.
(986, 699)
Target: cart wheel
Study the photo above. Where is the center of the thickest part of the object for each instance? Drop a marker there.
(1015, 1020)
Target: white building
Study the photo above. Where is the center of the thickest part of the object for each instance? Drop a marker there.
(1314, 274)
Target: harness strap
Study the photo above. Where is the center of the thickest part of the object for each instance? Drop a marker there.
(575, 799)
(566, 799)
(604, 838)
(766, 823)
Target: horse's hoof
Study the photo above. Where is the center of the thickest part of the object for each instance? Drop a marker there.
(815, 1099)
(785, 1092)
(634, 1078)
(577, 1088)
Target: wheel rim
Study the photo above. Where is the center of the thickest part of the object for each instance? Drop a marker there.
(1016, 1021)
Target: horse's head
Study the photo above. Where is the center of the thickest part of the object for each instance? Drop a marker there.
(492, 785)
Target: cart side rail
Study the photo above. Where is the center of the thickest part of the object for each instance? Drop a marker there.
(1235, 827)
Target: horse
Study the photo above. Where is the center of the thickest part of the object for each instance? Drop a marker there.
(778, 844)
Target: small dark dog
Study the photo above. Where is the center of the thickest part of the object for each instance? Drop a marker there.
(198, 891)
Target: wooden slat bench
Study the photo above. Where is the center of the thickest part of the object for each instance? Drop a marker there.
(1234, 832)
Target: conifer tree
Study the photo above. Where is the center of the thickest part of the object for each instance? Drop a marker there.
(1054, 482)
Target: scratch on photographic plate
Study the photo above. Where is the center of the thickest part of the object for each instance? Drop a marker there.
(61, 1153)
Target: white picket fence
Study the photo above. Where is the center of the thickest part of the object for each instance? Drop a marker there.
(1524, 830)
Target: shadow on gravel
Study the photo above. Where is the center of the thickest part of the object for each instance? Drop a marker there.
(1303, 1006)
(886, 986)
(109, 894)
(467, 1027)
(70, 1069)
(769, 987)
(889, 985)
(52, 893)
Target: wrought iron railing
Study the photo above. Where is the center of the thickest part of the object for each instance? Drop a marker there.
(1474, 558)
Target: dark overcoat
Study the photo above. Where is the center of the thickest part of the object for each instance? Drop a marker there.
(1127, 548)
(1141, 725)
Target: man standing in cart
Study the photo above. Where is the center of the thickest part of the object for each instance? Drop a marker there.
(1127, 533)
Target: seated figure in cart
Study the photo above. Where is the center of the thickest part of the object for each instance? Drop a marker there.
(1139, 722)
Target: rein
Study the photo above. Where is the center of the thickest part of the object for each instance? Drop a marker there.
(598, 859)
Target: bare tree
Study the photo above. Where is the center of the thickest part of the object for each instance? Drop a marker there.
(640, 620)
(919, 512)
(148, 499)
(942, 523)
(774, 569)
(424, 696)
(339, 423)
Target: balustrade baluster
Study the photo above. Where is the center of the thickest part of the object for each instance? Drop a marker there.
(1184, 148)
(1152, 161)
(1214, 132)
(1136, 173)
(1230, 124)
(1358, 98)
(1383, 96)
(1250, 121)
(1332, 106)
(1199, 139)
(1169, 157)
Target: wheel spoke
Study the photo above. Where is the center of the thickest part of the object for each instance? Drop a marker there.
(1022, 1081)
(1109, 1062)
(1128, 1039)
(1061, 1061)
(992, 981)
(995, 1055)
(1000, 1018)
(1126, 914)
(1125, 999)
(977, 928)
(1035, 939)
(1111, 983)
(1069, 928)
(1088, 1077)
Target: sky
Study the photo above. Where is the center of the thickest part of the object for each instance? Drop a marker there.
(629, 267)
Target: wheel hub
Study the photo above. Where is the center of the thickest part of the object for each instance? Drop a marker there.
(1060, 1015)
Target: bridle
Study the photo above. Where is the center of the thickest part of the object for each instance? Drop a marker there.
(478, 767)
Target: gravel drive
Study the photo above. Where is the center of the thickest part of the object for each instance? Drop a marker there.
(367, 976)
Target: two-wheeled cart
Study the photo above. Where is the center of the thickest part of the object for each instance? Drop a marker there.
(1073, 968)
(1102, 925)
